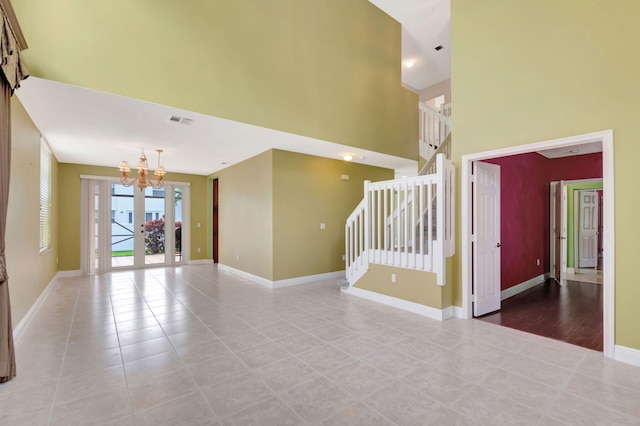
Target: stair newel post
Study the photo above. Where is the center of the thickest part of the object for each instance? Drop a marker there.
(367, 223)
(440, 198)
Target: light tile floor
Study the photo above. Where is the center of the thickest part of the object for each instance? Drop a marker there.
(193, 345)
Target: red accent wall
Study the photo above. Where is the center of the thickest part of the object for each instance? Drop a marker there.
(524, 209)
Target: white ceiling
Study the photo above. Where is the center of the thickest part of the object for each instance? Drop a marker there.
(425, 25)
(570, 151)
(85, 126)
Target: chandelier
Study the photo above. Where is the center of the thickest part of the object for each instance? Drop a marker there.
(143, 170)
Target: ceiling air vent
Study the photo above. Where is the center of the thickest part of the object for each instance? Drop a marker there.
(181, 120)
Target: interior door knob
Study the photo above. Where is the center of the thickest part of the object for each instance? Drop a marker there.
(498, 245)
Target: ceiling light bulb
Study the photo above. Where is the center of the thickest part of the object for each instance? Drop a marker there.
(347, 157)
(409, 63)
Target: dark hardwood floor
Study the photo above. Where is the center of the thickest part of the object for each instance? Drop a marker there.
(571, 313)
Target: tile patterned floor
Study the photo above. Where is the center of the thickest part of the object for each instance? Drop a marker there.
(193, 345)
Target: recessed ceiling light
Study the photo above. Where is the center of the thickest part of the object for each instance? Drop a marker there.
(409, 63)
(347, 157)
(574, 151)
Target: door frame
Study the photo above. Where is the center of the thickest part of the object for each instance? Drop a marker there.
(576, 222)
(554, 188)
(608, 211)
(105, 210)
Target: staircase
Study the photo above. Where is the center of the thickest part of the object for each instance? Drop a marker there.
(435, 126)
(407, 223)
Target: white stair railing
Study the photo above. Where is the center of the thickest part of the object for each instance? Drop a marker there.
(435, 126)
(406, 223)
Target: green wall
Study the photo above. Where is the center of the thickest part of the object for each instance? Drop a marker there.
(415, 286)
(271, 207)
(308, 191)
(529, 71)
(246, 214)
(69, 217)
(326, 69)
(571, 217)
(29, 270)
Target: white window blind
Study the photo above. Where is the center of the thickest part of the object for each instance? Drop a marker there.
(45, 197)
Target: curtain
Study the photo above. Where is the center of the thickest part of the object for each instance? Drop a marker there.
(13, 71)
(7, 355)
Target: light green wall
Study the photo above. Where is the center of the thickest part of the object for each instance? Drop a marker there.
(308, 191)
(29, 270)
(529, 71)
(571, 217)
(246, 214)
(414, 286)
(69, 218)
(326, 69)
(271, 207)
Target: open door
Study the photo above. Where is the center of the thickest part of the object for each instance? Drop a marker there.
(556, 230)
(215, 220)
(588, 229)
(486, 246)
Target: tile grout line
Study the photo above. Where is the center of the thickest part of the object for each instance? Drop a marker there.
(64, 355)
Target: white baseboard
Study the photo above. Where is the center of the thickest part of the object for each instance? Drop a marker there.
(405, 305)
(282, 283)
(524, 286)
(627, 355)
(201, 262)
(66, 274)
(458, 312)
(309, 279)
(31, 313)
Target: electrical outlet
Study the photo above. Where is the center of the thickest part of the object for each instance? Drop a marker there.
(198, 249)
(393, 278)
(323, 226)
(344, 257)
(537, 262)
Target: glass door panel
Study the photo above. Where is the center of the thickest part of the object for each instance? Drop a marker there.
(177, 214)
(154, 226)
(122, 226)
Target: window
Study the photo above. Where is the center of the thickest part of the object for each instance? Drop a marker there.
(130, 217)
(113, 216)
(148, 216)
(45, 197)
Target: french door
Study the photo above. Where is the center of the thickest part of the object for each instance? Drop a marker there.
(124, 227)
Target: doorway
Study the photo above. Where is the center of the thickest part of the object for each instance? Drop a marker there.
(124, 227)
(576, 240)
(215, 220)
(468, 161)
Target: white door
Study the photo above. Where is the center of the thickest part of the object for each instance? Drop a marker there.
(588, 229)
(486, 246)
(558, 230)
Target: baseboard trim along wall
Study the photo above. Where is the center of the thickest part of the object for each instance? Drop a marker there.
(70, 273)
(282, 283)
(627, 355)
(200, 262)
(31, 313)
(524, 286)
(405, 305)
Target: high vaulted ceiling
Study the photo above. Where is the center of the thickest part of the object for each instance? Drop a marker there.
(97, 128)
(426, 24)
